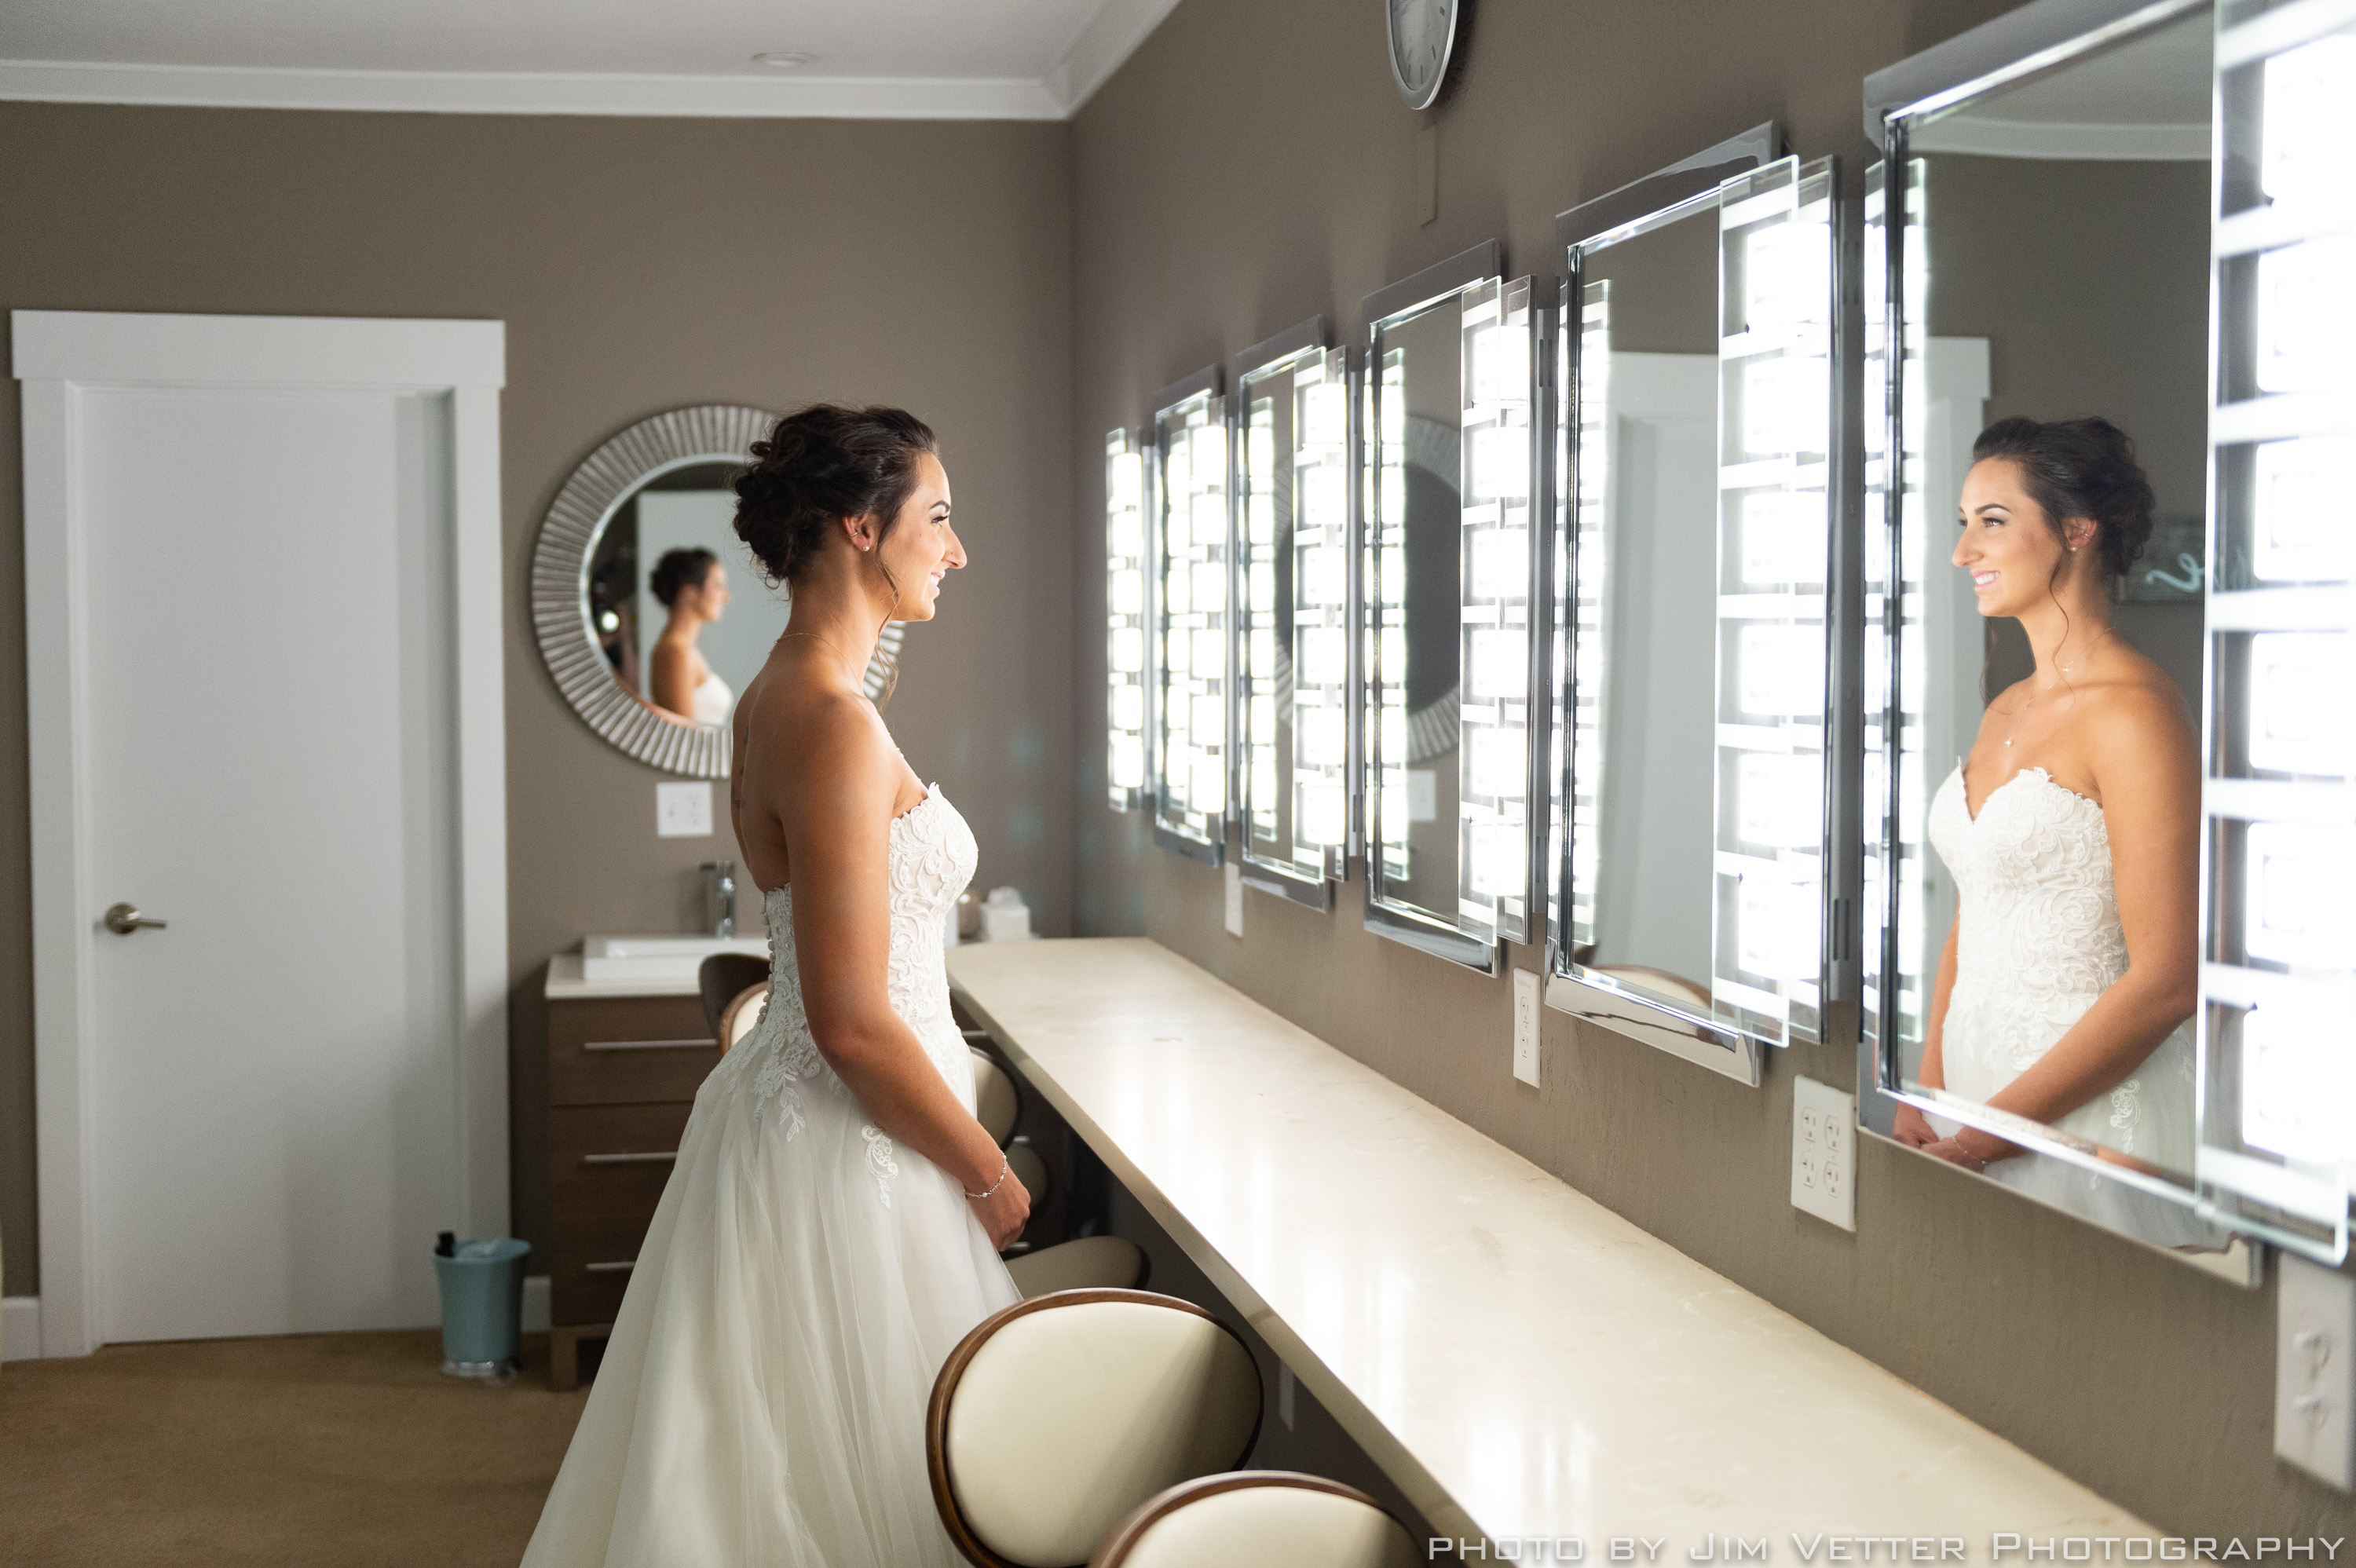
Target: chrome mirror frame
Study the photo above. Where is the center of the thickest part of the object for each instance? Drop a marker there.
(1475, 275)
(569, 535)
(2037, 38)
(1181, 826)
(1300, 349)
(1739, 180)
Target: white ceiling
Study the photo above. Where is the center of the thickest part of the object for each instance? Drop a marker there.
(2148, 99)
(887, 58)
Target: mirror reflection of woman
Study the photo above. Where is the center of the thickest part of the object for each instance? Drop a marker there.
(693, 586)
(2067, 985)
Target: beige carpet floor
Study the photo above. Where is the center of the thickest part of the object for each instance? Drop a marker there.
(328, 1451)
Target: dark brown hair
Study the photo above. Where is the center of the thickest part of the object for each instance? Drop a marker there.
(688, 567)
(2083, 468)
(821, 464)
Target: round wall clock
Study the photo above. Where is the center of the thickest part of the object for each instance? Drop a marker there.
(1423, 36)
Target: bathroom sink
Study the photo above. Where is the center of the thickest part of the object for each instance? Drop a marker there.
(661, 955)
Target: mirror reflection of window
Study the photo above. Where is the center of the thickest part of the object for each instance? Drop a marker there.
(674, 599)
(2059, 271)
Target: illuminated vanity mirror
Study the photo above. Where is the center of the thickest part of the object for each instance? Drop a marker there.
(2278, 1141)
(652, 615)
(1187, 561)
(1701, 864)
(1293, 600)
(2037, 349)
(1450, 566)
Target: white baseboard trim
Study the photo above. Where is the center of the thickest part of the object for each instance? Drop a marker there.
(20, 1328)
(535, 1304)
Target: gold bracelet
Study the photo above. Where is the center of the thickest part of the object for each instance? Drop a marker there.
(1004, 1165)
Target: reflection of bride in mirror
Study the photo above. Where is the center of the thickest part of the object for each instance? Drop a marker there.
(693, 586)
(2067, 983)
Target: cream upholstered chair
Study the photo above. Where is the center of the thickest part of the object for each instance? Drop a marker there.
(996, 1105)
(1059, 1414)
(741, 1015)
(1259, 1518)
(1091, 1261)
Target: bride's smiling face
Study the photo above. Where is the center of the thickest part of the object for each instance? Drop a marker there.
(921, 547)
(2008, 544)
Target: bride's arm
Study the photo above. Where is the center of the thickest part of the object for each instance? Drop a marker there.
(837, 821)
(2146, 763)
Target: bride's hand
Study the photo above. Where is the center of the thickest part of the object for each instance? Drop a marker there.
(1953, 1153)
(1004, 1213)
(1912, 1128)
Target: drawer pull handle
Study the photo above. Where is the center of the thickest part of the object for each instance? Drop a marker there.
(652, 1045)
(629, 1158)
(609, 1268)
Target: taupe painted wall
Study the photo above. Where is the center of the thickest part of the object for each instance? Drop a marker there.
(639, 265)
(1250, 165)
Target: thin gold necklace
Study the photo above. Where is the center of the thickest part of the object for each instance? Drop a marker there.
(2064, 669)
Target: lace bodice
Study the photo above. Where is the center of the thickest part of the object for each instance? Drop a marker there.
(2037, 939)
(928, 863)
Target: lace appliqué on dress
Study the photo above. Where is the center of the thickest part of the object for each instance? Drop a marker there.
(929, 860)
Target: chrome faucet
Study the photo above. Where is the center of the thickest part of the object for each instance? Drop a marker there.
(720, 897)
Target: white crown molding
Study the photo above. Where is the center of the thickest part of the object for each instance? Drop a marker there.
(520, 92)
(1111, 35)
(2052, 139)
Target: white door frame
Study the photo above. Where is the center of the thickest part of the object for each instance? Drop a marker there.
(58, 355)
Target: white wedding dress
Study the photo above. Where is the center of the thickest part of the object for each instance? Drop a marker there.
(2038, 941)
(761, 1403)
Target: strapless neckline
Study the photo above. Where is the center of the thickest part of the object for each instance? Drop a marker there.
(2040, 774)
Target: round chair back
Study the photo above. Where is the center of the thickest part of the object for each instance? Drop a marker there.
(1059, 1414)
(1259, 1518)
(741, 1015)
(996, 1105)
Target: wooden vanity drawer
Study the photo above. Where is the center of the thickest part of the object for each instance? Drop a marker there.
(628, 1050)
(610, 1161)
(589, 1266)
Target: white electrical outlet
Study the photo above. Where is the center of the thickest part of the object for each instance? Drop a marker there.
(2314, 1369)
(1525, 1025)
(684, 810)
(1235, 899)
(1824, 1152)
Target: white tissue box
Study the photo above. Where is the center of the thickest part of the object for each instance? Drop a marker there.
(1005, 924)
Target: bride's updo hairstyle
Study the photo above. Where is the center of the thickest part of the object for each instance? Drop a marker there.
(2083, 468)
(820, 465)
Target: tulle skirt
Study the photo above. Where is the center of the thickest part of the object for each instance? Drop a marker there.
(761, 1403)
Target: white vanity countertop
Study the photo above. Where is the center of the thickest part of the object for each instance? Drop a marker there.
(1519, 1360)
(565, 983)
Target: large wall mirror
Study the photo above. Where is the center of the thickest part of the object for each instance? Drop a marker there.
(1188, 554)
(1292, 600)
(2037, 361)
(1702, 889)
(1450, 564)
(638, 570)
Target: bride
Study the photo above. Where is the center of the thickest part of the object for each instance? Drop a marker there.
(831, 1227)
(2072, 831)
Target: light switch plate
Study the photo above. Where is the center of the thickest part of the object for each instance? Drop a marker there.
(2314, 1369)
(1234, 874)
(1525, 1025)
(1824, 1152)
(684, 810)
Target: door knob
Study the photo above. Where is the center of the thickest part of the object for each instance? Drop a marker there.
(124, 918)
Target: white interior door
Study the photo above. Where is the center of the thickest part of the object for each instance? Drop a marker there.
(278, 1100)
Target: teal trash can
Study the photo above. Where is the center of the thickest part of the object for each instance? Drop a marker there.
(482, 1305)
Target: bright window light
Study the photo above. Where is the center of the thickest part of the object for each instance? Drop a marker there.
(1324, 415)
(1325, 496)
(1500, 762)
(1323, 579)
(2307, 315)
(1206, 786)
(1780, 927)
(2299, 720)
(1501, 461)
(1501, 365)
(1129, 708)
(1129, 651)
(1126, 471)
(1127, 591)
(1781, 799)
(1499, 852)
(1322, 651)
(1319, 738)
(1783, 670)
(1786, 406)
(1210, 521)
(1259, 445)
(1174, 650)
(1210, 659)
(1393, 496)
(1501, 663)
(2299, 1078)
(2297, 912)
(1259, 518)
(1782, 537)
(1210, 586)
(1262, 650)
(1500, 563)
(1786, 276)
(1397, 805)
(2304, 130)
(2299, 498)
(1128, 762)
(1178, 592)
(1323, 814)
(1262, 596)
